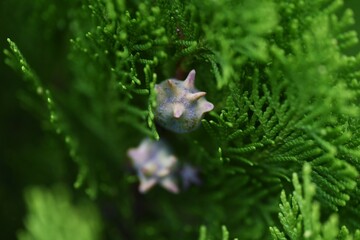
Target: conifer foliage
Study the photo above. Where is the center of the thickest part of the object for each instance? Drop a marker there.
(286, 97)
(300, 216)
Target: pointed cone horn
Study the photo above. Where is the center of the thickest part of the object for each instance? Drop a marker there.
(195, 96)
(145, 185)
(171, 84)
(135, 155)
(208, 106)
(190, 79)
(169, 185)
(178, 110)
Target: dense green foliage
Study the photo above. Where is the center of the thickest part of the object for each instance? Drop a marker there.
(51, 216)
(300, 216)
(285, 84)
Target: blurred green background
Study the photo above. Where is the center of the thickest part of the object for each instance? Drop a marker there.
(31, 155)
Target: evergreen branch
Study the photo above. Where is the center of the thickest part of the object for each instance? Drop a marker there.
(16, 60)
(287, 121)
(300, 215)
(80, 222)
(122, 31)
(350, 214)
(204, 236)
(249, 32)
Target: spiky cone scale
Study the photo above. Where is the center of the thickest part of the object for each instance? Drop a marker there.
(180, 106)
(154, 164)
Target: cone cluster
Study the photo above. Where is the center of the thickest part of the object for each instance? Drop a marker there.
(180, 108)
